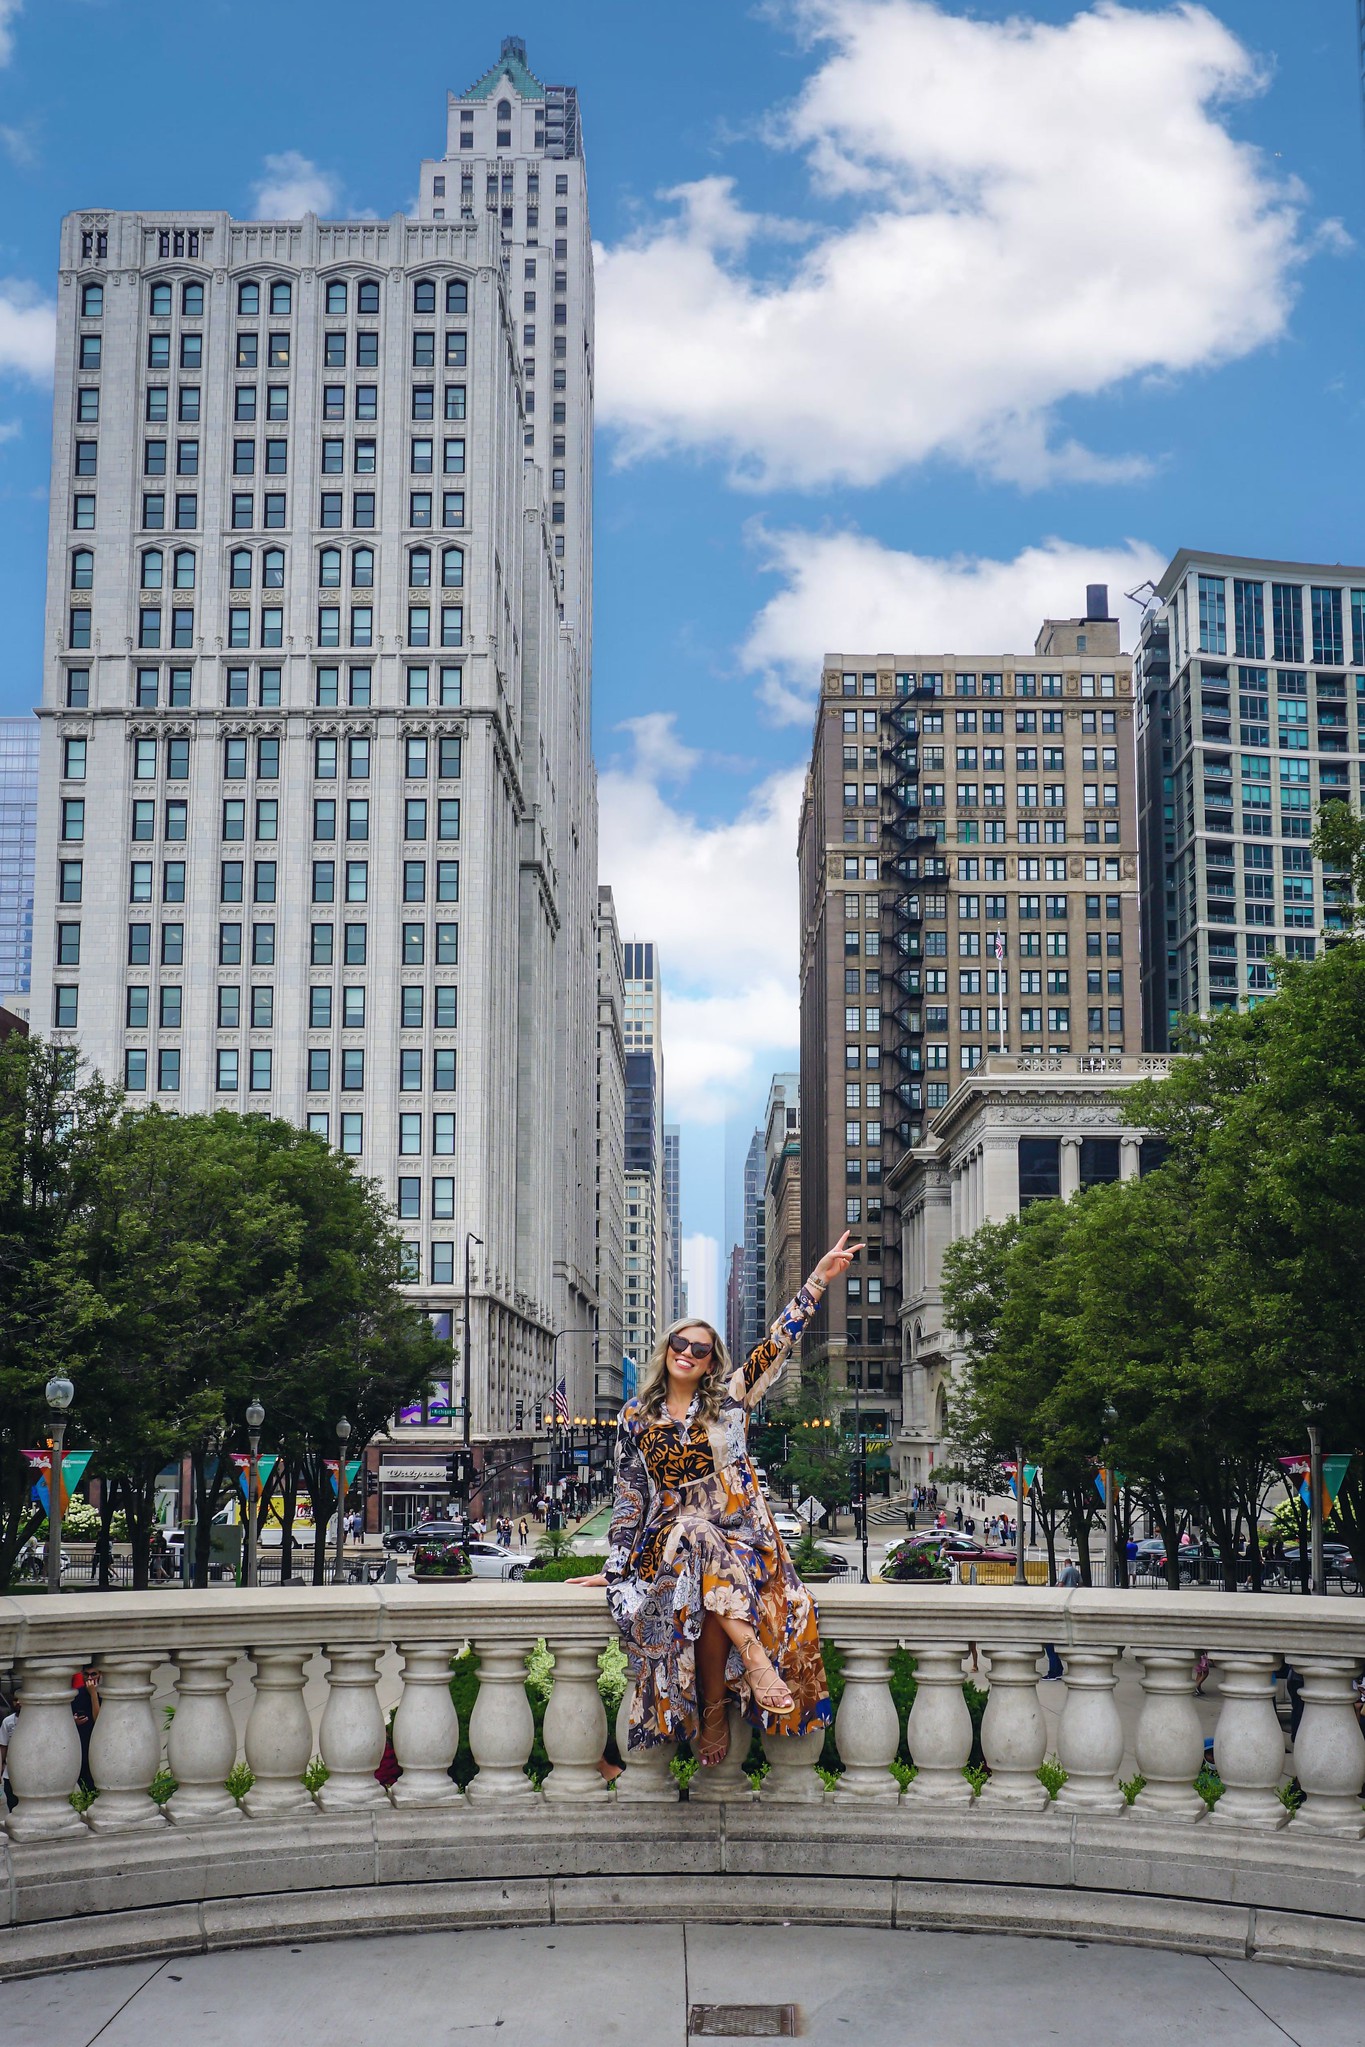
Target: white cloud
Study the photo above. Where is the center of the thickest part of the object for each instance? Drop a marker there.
(293, 185)
(844, 592)
(1042, 211)
(720, 902)
(19, 146)
(701, 1270)
(28, 331)
(659, 753)
(8, 10)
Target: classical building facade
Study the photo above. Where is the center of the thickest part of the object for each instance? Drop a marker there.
(646, 1207)
(673, 1218)
(968, 867)
(1251, 713)
(318, 815)
(610, 1171)
(19, 739)
(1018, 1128)
(782, 1191)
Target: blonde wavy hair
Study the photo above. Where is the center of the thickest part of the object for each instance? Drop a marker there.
(711, 1389)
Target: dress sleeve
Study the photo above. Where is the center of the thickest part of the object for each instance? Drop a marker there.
(629, 1506)
(763, 1366)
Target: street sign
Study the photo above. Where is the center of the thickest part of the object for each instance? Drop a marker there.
(811, 1509)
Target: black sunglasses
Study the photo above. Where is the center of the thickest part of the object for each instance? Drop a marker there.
(679, 1344)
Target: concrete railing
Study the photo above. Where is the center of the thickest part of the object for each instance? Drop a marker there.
(205, 1868)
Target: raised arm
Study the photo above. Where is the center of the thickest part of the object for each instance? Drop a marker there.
(763, 1366)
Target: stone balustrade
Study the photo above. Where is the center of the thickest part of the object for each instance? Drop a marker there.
(204, 1867)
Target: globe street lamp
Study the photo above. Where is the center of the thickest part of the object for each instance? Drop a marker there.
(343, 1438)
(255, 1416)
(60, 1393)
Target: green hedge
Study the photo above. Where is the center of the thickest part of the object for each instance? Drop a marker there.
(563, 1567)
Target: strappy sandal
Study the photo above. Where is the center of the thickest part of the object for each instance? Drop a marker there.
(765, 1684)
(713, 1740)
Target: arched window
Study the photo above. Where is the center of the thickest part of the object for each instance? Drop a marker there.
(151, 568)
(184, 568)
(82, 569)
(367, 296)
(192, 300)
(452, 567)
(362, 568)
(161, 302)
(457, 296)
(424, 296)
(272, 568)
(249, 298)
(329, 568)
(281, 297)
(504, 110)
(239, 568)
(336, 295)
(92, 301)
(419, 568)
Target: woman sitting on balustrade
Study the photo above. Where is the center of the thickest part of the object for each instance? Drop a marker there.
(698, 1579)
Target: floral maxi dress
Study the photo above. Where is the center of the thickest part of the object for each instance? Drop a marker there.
(690, 1534)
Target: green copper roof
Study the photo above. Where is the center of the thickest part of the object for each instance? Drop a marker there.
(511, 65)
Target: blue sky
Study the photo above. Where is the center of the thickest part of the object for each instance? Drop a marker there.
(912, 319)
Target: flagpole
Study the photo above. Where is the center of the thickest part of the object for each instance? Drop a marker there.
(1020, 1575)
(1319, 1581)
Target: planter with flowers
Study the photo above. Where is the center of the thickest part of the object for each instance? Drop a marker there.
(910, 1566)
(440, 1560)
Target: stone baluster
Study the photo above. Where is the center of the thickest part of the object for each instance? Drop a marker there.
(940, 1729)
(1090, 1736)
(426, 1727)
(501, 1726)
(791, 1778)
(1248, 1742)
(201, 1747)
(1013, 1731)
(868, 1727)
(45, 1754)
(725, 1781)
(351, 1733)
(575, 1729)
(279, 1737)
(1170, 1740)
(648, 1775)
(125, 1746)
(1329, 1754)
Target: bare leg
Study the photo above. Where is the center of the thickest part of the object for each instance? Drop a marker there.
(713, 1649)
(767, 1687)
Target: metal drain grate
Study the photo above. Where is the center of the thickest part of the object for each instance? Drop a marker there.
(743, 2022)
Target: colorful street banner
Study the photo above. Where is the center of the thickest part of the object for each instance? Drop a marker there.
(74, 1466)
(1031, 1472)
(329, 1465)
(1120, 1480)
(1300, 1467)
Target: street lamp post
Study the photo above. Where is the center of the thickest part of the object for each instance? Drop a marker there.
(60, 1393)
(343, 1438)
(1020, 1574)
(1319, 1578)
(469, 1238)
(1110, 1543)
(255, 1416)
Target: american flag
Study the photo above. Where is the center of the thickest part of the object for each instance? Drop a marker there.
(561, 1402)
(999, 945)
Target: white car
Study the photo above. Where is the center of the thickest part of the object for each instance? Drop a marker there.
(491, 1560)
(788, 1525)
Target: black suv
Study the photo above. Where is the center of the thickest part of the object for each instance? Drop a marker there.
(426, 1531)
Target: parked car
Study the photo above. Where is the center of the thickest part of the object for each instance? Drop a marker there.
(966, 1548)
(491, 1560)
(788, 1525)
(1337, 1562)
(425, 1531)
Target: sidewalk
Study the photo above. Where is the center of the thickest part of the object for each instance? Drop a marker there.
(559, 1986)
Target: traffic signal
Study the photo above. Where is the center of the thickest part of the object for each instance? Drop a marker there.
(519, 1415)
(453, 1472)
(371, 1484)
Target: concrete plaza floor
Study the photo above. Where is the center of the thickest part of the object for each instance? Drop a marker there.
(559, 1986)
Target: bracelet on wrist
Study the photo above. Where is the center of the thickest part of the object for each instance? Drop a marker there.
(816, 1282)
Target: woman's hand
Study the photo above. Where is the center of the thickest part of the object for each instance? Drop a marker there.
(836, 1262)
(596, 1578)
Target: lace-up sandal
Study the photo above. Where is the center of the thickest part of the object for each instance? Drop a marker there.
(713, 1740)
(765, 1684)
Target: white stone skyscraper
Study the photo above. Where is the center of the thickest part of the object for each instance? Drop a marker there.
(317, 830)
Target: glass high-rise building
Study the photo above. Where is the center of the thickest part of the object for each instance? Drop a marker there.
(317, 827)
(19, 739)
(1251, 713)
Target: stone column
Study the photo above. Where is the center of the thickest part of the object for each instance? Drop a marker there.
(125, 1746)
(1013, 1731)
(940, 1729)
(1329, 1755)
(791, 1778)
(501, 1726)
(648, 1776)
(1248, 1743)
(351, 1733)
(45, 1754)
(575, 1725)
(1130, 1168)
(1170, 1741)
(426, 1727)
(1070, 1167)
(201, 1747)
(725, 1782)
(279, 1737)
(1090, 1737)
(868, 1728)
